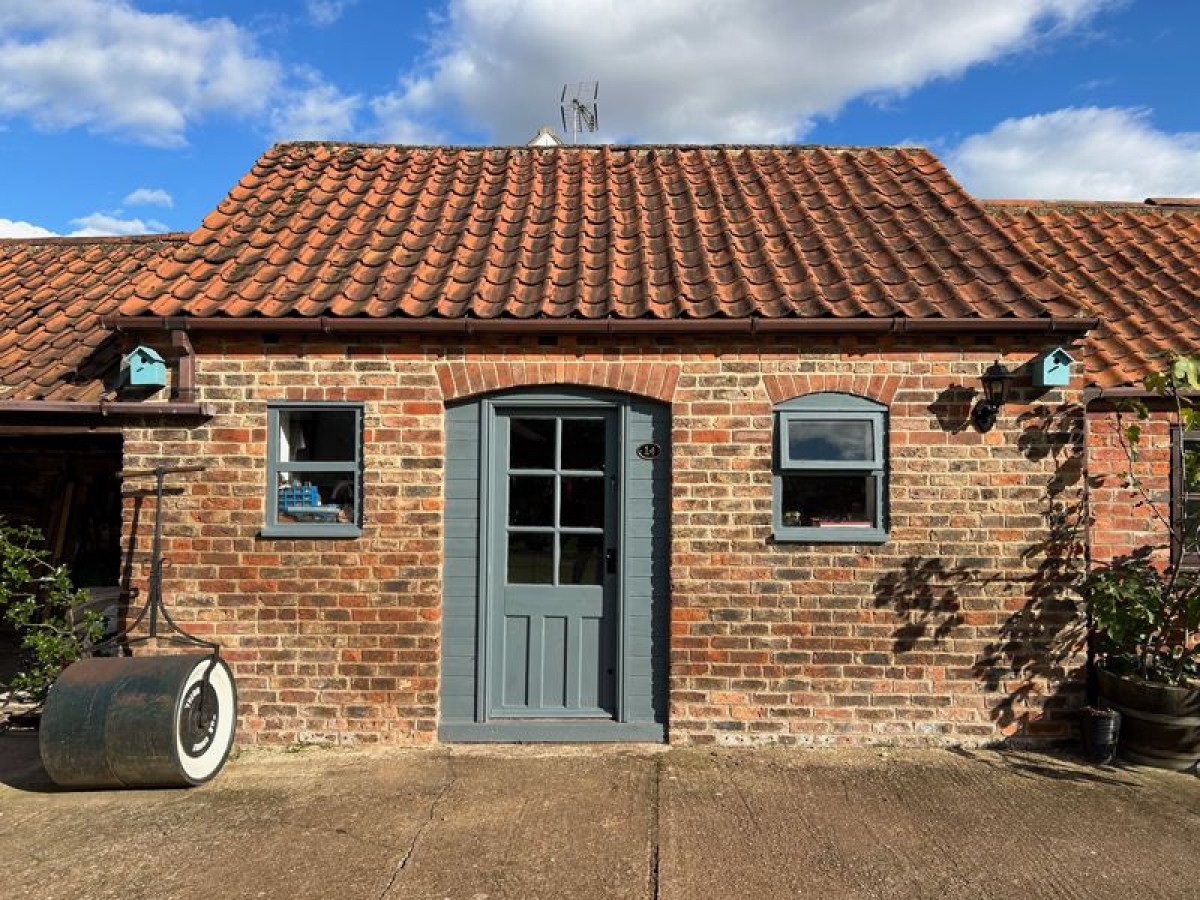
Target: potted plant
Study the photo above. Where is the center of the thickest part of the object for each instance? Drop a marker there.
(38, 599)
(1145, 606)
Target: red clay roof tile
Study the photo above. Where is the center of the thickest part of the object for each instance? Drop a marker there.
(53, 292)
(1135, 266)
(593, 232)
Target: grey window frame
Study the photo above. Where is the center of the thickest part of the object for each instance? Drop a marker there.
(830, 406)
(273, 528)
(1179, 498)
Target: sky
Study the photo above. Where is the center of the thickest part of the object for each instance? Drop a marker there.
(136, 116)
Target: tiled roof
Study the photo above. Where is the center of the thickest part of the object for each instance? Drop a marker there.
(53, 292)
(1135, 266)
(595, 232)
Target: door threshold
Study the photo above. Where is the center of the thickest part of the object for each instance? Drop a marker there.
(562, 731)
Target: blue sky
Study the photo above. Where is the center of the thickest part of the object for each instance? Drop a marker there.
(127, 116)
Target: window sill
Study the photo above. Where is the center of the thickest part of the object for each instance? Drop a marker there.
(829, 535)
(317, 532)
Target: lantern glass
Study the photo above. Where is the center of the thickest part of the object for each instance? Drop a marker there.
(995, 384)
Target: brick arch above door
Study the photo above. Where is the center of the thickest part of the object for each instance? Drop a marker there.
(462, 379)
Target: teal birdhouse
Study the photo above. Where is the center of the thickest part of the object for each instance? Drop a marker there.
(143, 369)
(1053, 368)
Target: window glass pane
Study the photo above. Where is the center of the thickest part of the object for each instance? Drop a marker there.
(317, 497)
(530, 558)
(583, 444)
(1191, 467)
(531, 444)
(583, 502)
(1191, 525)
(581, 559)
(317, 435)
(828, 501)
(831, 441)
(531, 500)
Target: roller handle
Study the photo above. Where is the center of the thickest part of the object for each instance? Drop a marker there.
(166, 470)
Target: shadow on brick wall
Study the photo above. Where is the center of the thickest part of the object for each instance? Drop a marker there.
(1031, 664)
(129, 590)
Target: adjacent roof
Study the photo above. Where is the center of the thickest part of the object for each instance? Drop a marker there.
(53, 292)
(1135, 266)
(598, 232)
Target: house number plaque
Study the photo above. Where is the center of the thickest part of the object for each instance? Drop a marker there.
(649, 451)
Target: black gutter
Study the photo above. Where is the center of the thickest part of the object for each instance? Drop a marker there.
(755, 325)
(122, 409)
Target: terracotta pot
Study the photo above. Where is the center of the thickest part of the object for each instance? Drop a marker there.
(1160, 724)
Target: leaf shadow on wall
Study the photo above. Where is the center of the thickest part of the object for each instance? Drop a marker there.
(1031, 663)
(952, 408)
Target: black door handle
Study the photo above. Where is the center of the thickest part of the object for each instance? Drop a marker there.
(610, 561)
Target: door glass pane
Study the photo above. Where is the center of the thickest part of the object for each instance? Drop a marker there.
(320, 435)
(531, 444)
(581, 560)
(828, 501)
(831, 441)
(583, 444)
(582, 502)
(531, 500)
(530, 558)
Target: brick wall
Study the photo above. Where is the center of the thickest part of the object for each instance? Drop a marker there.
(955, 630)
(1124, 515)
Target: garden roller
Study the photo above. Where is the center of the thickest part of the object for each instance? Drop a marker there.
(114, 721)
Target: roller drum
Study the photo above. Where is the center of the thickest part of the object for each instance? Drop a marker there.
(148, 721)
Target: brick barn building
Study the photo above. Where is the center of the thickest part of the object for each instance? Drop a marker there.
(620, 443)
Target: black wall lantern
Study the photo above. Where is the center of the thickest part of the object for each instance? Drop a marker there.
(995, 392)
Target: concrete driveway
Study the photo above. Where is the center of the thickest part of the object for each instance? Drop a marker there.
(525, 822)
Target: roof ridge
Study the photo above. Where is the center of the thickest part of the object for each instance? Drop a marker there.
(164, 237)
(367, 145)
(1149, 205)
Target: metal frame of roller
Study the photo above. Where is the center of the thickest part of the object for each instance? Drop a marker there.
(149, 721)
(145, 721)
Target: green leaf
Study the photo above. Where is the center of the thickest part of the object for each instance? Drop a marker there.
(1157, 382)
(37, 598)
(1186, 370)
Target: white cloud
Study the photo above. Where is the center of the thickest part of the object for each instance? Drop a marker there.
(326, 12)
(108, 67)
(1080, 153)
(17, 229)
(679, 70)
(149, 197)
(99, 224)
(402, 117)
(316, 111)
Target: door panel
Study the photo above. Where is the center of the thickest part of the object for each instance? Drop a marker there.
(554, 525)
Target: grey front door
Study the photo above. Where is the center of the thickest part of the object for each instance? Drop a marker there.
(554, 567)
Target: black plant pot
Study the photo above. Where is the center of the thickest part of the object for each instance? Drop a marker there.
(1100, 729)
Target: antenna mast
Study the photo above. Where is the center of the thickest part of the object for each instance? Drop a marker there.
(578, 102)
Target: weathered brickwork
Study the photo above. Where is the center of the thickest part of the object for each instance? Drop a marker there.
(955, 630)
(1126, 512)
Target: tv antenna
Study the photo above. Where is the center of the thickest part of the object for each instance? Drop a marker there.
(578, 101)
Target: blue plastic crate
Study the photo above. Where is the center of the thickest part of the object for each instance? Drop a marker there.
(298, 495)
